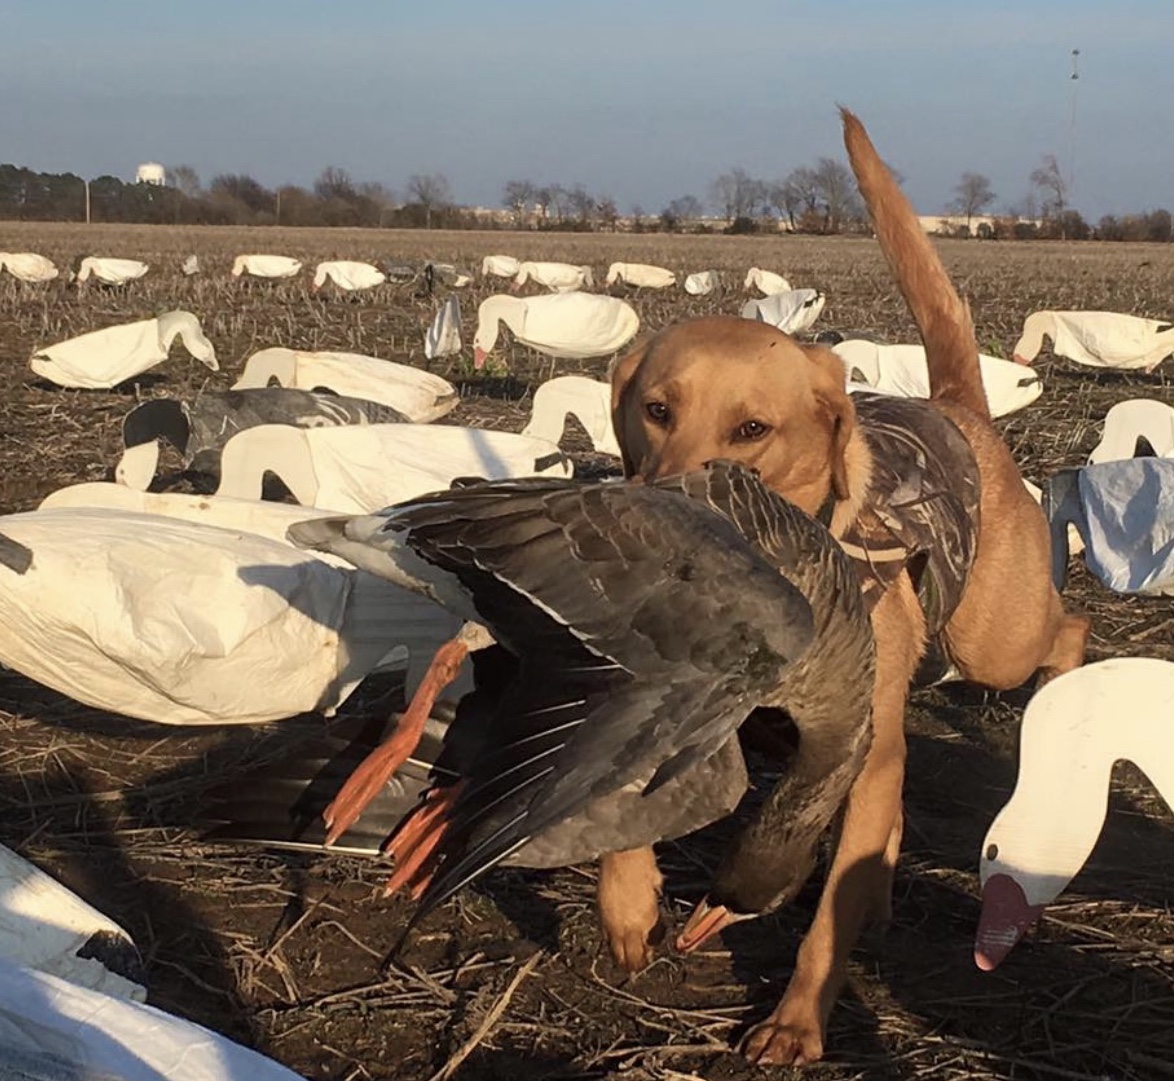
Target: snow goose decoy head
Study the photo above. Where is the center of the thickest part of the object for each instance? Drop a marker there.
(1074, 729)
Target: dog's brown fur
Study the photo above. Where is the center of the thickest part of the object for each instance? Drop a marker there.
(731, 388)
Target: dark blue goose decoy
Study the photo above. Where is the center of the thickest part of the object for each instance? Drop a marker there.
(199, 429)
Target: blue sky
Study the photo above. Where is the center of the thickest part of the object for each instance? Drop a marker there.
(640, 100)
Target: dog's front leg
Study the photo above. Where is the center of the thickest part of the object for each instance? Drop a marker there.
(629, 905)
(859, 883)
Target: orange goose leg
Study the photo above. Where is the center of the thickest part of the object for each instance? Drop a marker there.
(415, 842)
(375, 770)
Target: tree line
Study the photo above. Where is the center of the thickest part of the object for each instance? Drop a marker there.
(819, 198)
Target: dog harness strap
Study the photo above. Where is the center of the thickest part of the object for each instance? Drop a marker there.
(921, 513)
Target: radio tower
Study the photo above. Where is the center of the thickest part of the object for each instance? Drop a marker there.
(1074, 83)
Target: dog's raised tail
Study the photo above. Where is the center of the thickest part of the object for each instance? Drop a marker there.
(941, 315)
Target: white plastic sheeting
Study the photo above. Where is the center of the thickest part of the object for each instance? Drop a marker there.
(587, 400)
(765, 281)
(641, 275)
(1074, 729)
(499, 266)
(185, 623)
(111, 271)
(54, 1030)
(1131, 420)
(44, 925)
(105, 358)
(415, 626)
(1125, 514)
(1098, 339)
(266, 266)
(568, 325)
(791, 311)
(27, 266)
(359, 470)
(901, 370)
(348, 275)
(557, 277)
(417, 394)
(702, 282)
(443, 337)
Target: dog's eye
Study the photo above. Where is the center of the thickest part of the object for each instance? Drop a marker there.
(992, 852)
(750, 431)
(657, 412)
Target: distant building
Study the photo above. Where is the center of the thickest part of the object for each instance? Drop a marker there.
(151, 172)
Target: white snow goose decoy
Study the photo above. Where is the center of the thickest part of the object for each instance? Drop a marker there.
(54, 1029)
(27, 266)
(647, 620)
(47, 927)
(185, 622)
(1137, 428)
(443, 336)
(702, 282)
(109, 271)
(1073, 730)
(765, 281)
(1098, 339)
(499, 266)
(418, 395)
(199, 429)
(266, 266)
(791, 311)
(557, 277)
(573, 326)
(587, 400)
(359, 470)
(104, 358)
(641, 276)
(1124, 513)
(347, 275)
(901, 371)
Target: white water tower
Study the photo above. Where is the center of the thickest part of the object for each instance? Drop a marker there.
(151, 172)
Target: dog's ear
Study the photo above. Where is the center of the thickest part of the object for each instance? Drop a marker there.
(836, 403)
(622, 371)
(621, 375)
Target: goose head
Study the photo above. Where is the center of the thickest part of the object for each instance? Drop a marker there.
(763, 872)
(773, 857)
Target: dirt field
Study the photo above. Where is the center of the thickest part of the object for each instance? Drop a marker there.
(283, 951)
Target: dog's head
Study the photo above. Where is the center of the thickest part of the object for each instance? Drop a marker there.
(725, 387)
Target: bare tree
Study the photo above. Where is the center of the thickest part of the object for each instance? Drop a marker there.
(738, 194)
(186, 180)
(582, 203)
(974, 195)
(684, 208)
(517, 195)
(335, 183)
(609, 214)
(557, 200)
(1049, 181)
(837, 193)
(380, 197)
(431, 191)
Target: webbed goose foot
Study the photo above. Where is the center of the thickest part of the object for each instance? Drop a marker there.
(415, 842)
(629, 906)
(364, 784)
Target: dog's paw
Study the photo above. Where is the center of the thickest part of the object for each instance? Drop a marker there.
(633, 940)
(783, 1041)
